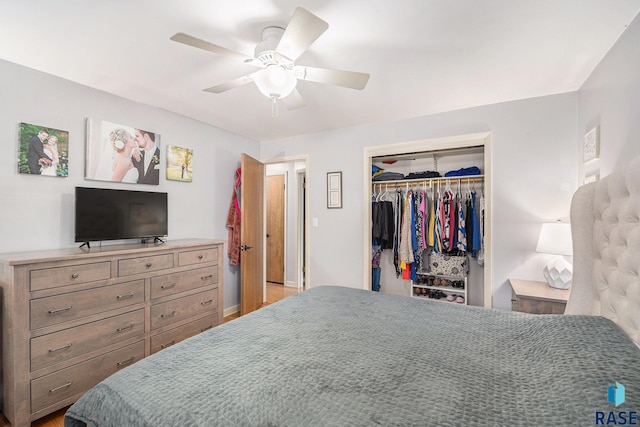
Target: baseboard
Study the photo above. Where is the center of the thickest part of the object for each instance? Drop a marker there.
(231, 310)
(290, 284)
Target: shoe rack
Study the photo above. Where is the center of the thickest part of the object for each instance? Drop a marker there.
(440, 288)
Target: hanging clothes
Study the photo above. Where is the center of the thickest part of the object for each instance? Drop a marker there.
(461, 243)
(397, 215)
(481, 219)
(475, 246)
(233, 222)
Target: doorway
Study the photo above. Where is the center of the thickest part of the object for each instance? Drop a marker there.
(276, 217)
(287, 192)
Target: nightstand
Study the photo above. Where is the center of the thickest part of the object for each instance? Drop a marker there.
(537, 297)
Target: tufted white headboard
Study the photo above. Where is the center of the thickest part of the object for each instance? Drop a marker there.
(605, 224)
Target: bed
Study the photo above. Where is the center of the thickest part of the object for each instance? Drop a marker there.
(336, 356)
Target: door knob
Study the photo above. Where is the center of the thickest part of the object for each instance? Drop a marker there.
(245, 247)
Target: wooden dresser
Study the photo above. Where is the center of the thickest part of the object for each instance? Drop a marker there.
(72, 317)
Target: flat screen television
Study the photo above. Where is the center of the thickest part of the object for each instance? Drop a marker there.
(108, 214)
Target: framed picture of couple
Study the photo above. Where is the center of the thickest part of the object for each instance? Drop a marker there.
(122, 153)
(43, 150)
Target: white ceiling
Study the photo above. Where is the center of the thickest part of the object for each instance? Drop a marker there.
(424, 56)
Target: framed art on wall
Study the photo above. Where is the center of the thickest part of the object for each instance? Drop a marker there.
(179, 163)
(591, 148)
(334, 190)
(122, 153)
(43, 150)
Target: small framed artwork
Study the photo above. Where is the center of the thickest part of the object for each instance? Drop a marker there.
(122, 153)
(592, 176)
(179, 163)
(43, 150)
(334, 190)
(591, 148)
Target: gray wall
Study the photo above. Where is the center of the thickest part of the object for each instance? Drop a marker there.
(610, 99)
(38, 211)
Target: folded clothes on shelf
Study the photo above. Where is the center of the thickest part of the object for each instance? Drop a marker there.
(389, 176)
(423, 175)
(473, 170)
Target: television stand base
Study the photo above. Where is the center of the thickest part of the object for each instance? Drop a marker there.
(87, 244)
(156, 241)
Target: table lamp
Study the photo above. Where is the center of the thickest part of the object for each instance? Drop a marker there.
(555, 238)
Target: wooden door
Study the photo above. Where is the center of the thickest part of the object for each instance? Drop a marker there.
(275, 228)
(251, 234)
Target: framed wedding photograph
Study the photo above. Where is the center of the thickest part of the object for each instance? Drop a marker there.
(591, 148)
(43, 150)
(122, 153)
(334, 190)
(179, 163)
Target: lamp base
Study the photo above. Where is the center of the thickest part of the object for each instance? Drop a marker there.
(558, 273)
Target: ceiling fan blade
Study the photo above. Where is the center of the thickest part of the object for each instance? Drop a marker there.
(230, 84)
(350, 79)
(203, 44)
(293, 101)
(303, 29)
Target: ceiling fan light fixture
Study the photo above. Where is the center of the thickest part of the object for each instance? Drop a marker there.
(275, 81)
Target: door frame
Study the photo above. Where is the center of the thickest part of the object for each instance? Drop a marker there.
(301, 226)
(461, 141)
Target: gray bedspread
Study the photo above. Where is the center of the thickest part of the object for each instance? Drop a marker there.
(334, 356)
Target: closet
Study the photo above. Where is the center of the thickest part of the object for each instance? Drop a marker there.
(421, 177)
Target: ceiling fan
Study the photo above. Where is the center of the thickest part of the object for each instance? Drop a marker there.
(276, 55)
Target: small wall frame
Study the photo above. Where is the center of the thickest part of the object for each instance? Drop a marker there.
(334, 190)
(591, 147)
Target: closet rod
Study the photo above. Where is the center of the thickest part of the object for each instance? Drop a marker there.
(404, 182)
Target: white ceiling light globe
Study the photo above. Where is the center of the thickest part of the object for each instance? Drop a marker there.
(275, 81)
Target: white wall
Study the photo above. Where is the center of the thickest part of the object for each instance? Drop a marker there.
(38, 212)
(534, 175)
(610, 98)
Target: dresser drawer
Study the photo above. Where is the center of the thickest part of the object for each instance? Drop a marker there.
(198, 256)
(169, 338)
(174, 283)
(182, 308)
(127, 267)
(53, 348)
(53, 388)
(61, 276)
(62, 308)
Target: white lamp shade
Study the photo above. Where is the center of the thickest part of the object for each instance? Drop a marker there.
(275, 81)
(555, 238)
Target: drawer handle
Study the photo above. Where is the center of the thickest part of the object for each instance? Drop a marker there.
(125, 295)
(200, 256)
(129, 361)
(53, 390)
(167, 286)
(207, 277)
(207, 302)
(206, 329)
(167, 315)
(60, 310)
(75, 275)
(169, 344)
(124, 328)
(148, 265)
(51, 350)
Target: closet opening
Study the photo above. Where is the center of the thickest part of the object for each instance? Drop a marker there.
(451, 173)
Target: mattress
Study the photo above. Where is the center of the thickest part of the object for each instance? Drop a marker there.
(335, 356)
